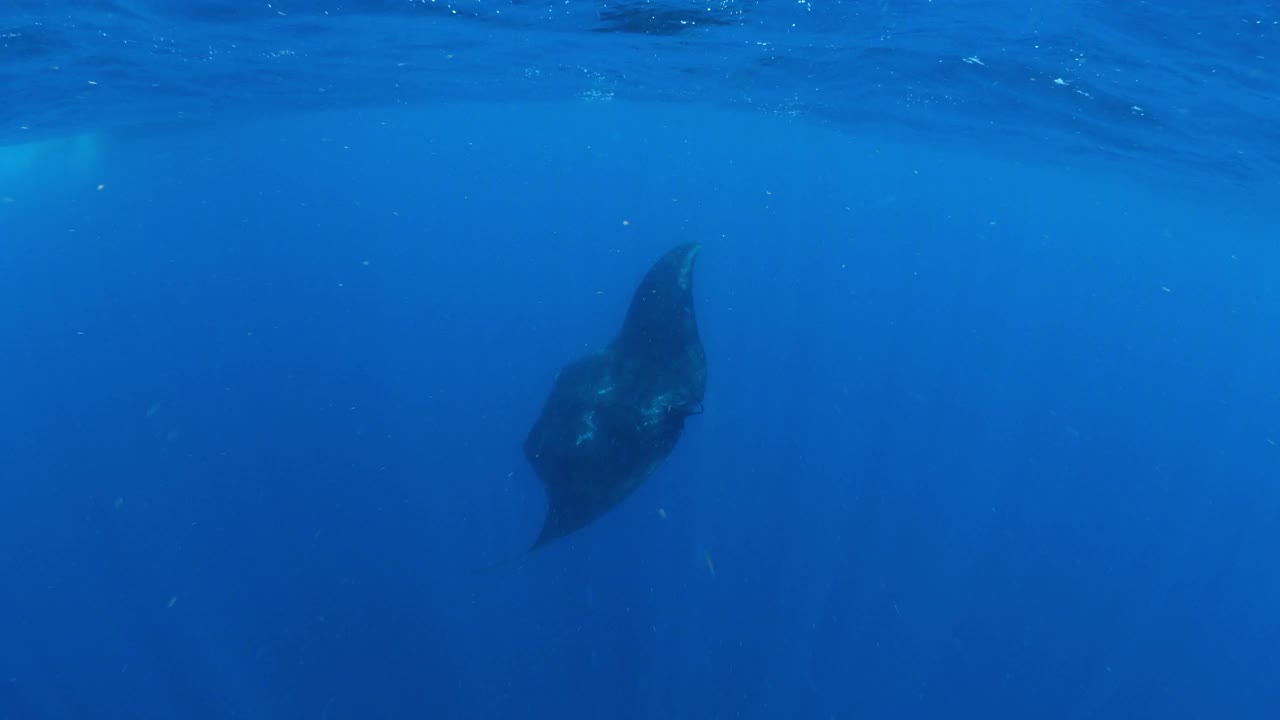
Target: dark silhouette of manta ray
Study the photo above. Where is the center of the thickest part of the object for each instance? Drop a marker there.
(615, 415)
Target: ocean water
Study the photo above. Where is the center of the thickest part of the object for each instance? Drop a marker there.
(988, 294)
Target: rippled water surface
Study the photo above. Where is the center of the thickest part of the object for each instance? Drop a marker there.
(1187, 86)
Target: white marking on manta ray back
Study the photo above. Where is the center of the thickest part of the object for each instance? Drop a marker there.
(590, 420)
(658, 409)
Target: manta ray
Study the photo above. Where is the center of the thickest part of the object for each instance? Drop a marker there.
(615, 415)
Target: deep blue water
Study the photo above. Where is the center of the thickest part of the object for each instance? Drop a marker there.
(992, 422)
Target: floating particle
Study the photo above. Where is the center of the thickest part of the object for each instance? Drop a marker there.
(662, 513)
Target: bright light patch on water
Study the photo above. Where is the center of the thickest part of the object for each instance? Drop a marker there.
(73, 160)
